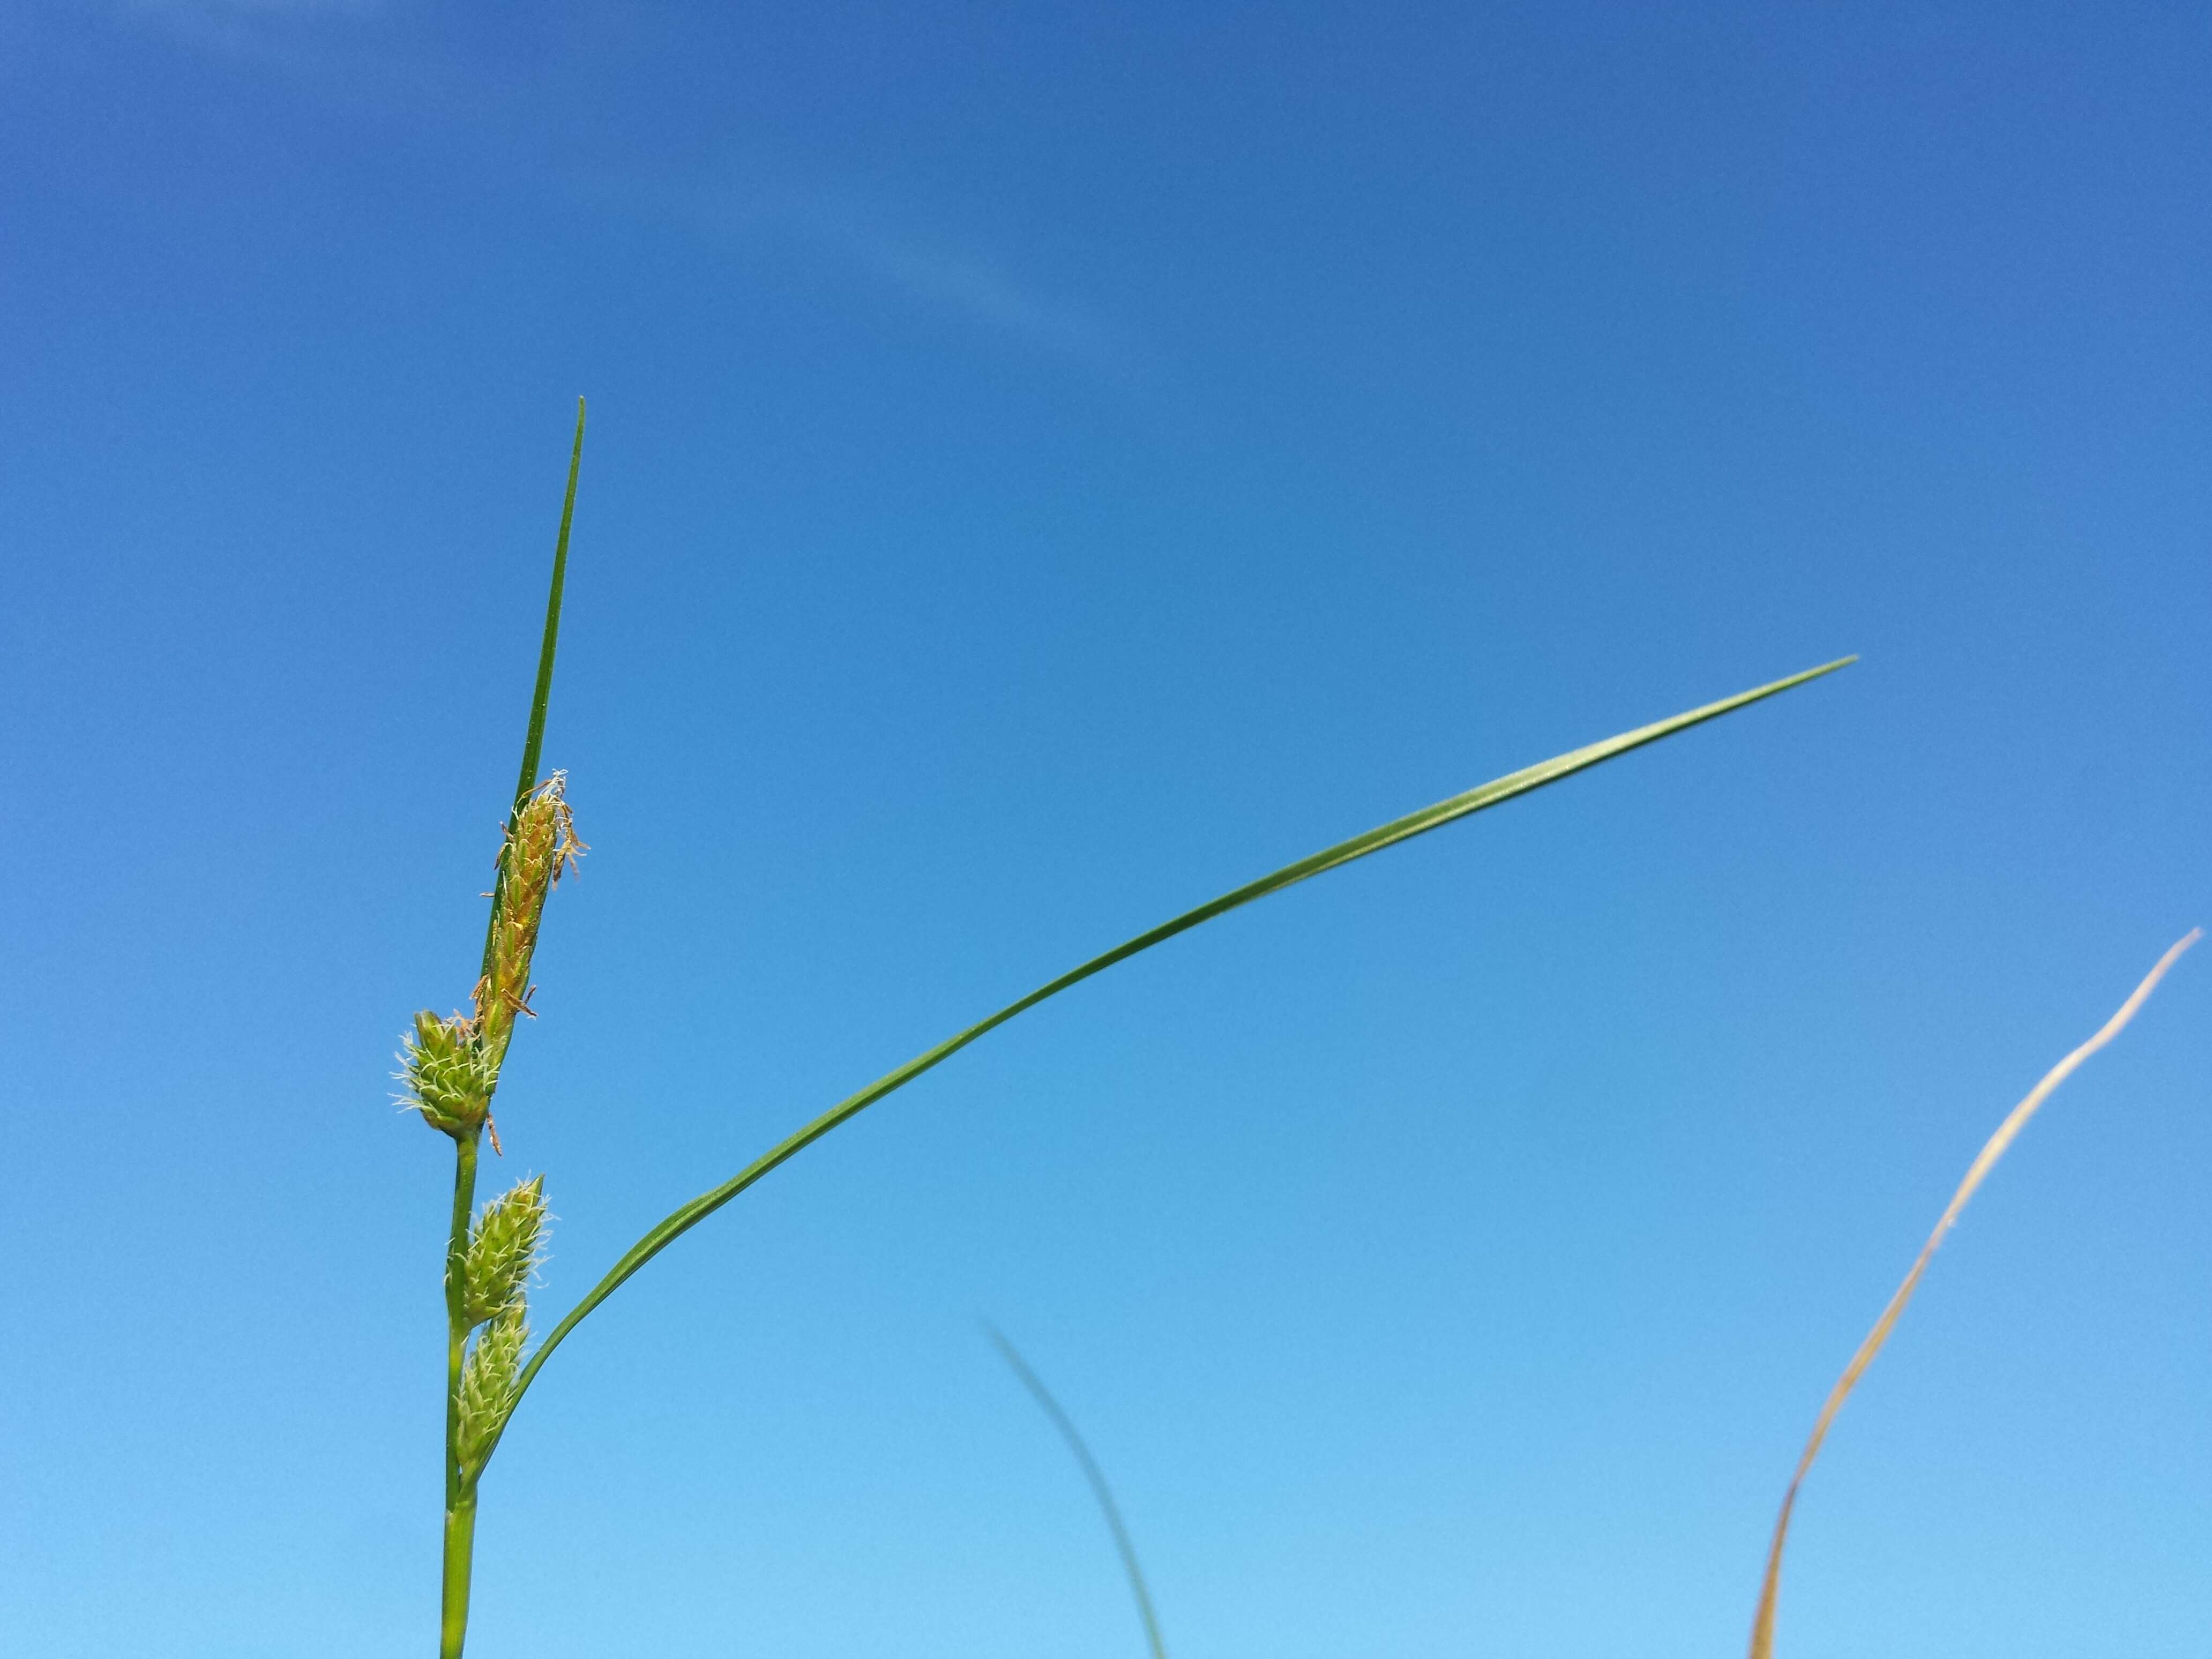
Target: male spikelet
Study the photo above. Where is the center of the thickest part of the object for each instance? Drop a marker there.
(541, 842)
(487, 1390)
(505, 1247)
(451, 1066)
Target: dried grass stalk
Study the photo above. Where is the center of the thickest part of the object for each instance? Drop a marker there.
(1762, 1628)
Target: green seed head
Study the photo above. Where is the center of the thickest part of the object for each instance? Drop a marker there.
(504, 1250)
(449, 1079)
(487, 1391)
(541, 842)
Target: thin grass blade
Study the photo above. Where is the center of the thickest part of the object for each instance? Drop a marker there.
(1096, 1476)
(541, 696)
(1762, 1628)
(681, 1221)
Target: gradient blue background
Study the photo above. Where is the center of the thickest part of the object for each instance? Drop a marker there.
(1048, 464)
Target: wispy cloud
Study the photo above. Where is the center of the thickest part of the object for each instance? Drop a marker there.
(936, 273)
(388, 54)
(222, 20)
(232, 9)
(966, 282)
(343, 51)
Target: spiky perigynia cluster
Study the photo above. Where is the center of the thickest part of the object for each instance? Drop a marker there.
(541, 842)
(505, 1247)
(449, 1077)
(487, 1391)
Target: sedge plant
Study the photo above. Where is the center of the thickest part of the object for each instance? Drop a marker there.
(450, 1070)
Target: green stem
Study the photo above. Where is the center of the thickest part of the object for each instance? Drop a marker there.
(461, 1553)
(460, 1494)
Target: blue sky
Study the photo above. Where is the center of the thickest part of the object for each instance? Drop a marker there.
(1049, 464)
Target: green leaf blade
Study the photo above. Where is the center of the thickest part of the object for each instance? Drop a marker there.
(1435, 817)
(1101, 1492)
(542, 692)
(541, 696)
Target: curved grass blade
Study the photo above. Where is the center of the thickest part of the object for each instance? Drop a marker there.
(1095, 1475)
(676, 1224)
(1762, 1628)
